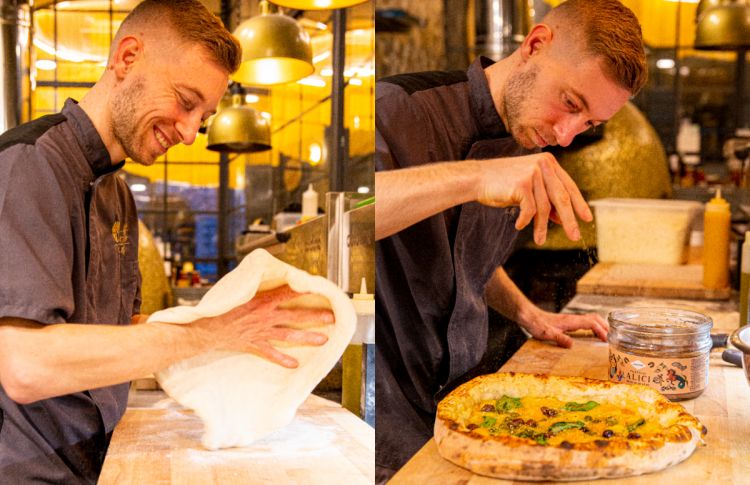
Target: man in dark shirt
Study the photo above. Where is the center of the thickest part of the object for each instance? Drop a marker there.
(70, 284)
(459, 173)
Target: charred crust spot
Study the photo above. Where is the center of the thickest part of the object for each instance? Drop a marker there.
(472, 426)
(633, 436)
(704, 430)
(601, 443)
(453, 425)
(566, 445)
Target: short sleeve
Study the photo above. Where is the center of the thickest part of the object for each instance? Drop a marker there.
(36, 245)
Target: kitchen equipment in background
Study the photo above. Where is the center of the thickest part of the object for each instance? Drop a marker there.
(358, 362)
(275, 49)
(740, 338)
(351, 239)
(651, 231)
(725, 25)
(716, 223)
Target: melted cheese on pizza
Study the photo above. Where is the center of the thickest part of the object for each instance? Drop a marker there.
(549, 421)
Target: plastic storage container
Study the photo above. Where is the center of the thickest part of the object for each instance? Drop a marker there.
(664, 348)
(653, 231)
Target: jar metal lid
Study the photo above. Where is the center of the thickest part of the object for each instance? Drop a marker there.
(655, 321)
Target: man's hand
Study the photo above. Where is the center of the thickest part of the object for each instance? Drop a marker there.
(253, 326)
(539, 186)
(544, 325)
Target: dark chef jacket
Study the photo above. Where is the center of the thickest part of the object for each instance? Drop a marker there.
(68, 253)
(431, 309)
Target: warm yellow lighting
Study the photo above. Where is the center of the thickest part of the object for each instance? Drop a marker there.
(355, 81)
(318, 4)
(315, 82)
(275, 50)
(46, 65)
(138, 187)
(316, 154)
(356, 122)
(321, 57)
(238, 128)
(251, 98)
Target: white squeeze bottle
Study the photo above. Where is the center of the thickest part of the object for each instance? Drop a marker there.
(309, 203)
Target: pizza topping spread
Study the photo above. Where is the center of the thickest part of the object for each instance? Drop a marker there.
(561, 428)
(549, 421)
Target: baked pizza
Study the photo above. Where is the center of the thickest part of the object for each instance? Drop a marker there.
(538, 427)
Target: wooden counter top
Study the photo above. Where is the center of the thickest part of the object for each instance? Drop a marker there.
(724, 407)
(160, 444)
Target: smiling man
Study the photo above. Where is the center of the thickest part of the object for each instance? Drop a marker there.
(461, 151)
(69, 249)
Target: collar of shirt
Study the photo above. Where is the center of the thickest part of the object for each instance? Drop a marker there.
(489, 121)
(91, 142)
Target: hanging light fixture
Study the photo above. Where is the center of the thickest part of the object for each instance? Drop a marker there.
(238, 128)
(318, 4)
(723, 25)
(275, 49)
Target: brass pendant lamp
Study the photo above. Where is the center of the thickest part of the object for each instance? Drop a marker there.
(275, 50)
(722, 25)
(318, 4)
(238, 128)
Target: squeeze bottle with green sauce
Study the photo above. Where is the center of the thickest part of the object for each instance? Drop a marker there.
(716, 222)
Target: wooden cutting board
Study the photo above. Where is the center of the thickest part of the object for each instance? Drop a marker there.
(161, 445)
(653, 280)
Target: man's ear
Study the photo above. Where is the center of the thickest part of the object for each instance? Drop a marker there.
(128, 51)
(537, 40)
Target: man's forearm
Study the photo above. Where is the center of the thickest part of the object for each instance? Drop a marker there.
(504, 296)
(407, 196)
(38, 362)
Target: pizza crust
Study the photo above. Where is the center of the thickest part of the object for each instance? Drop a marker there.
(514, 458)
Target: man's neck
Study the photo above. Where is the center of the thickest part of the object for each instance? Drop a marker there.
(497, 77)
(96, 106)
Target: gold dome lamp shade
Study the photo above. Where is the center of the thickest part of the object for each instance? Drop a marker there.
(238, 128)
(318, 4)
(275, 50)
(723, 25)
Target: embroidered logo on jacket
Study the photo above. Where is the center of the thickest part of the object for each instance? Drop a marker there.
(120, 235)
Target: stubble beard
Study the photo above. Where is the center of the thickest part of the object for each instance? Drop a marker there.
(518, 90)
(124, 122)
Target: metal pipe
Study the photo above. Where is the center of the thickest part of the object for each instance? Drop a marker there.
(741, 79)
(224, 207)
(10, 56)
(337, 140)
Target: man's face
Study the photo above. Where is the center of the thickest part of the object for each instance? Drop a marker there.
(163, 100)
(549, 102)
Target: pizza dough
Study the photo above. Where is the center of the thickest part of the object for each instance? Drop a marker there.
(672, 437)
(241, 397)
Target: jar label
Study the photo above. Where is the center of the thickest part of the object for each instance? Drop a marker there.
(669, 376)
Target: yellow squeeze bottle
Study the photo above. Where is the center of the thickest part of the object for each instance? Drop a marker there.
(716, 222)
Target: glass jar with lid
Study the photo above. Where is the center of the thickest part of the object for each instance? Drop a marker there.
(664, 348)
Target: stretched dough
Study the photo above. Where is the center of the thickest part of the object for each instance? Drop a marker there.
(240, 397)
